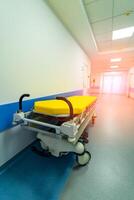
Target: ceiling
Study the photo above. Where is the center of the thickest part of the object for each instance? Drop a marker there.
(101, 62)
(106, 16)
(91, 23)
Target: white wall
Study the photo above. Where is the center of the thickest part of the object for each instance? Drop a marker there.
(38, 56)
(37, 53)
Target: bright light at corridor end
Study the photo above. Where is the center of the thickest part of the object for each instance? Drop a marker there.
(123, 33)
(116, 59)
(114, 66)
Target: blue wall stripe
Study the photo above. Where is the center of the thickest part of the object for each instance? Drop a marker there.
(7, 110)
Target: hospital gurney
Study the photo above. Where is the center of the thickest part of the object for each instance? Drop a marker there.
(60, 124)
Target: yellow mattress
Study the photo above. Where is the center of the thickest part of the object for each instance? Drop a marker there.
(59, 107)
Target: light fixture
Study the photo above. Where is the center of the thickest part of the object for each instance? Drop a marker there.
(123, 33)
(114, 66)
(115, 59)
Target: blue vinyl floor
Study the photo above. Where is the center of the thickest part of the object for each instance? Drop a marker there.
(33, 177)
(110, 173)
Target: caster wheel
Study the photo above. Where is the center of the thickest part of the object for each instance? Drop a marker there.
(83, 159)
(79, 148)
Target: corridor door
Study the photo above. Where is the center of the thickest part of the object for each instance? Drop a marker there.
(131, 86)
(112, 84)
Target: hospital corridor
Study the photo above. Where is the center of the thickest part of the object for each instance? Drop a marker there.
(67, 100)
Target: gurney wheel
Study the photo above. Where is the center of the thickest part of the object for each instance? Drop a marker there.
(83, 159)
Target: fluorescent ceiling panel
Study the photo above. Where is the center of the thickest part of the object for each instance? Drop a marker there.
(114, 66)
(115, 59)
(123, 33)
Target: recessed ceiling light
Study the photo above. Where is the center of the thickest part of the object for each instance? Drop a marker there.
(114, 66)
(115, 59)
(123, 33)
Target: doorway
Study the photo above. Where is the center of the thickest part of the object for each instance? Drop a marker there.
(112, 84)
(130, 85)
(86, 76)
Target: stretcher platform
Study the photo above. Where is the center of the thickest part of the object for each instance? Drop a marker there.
(60, 107)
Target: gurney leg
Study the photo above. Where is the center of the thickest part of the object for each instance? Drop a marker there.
(84, 137)
(56, 148)
(57, 145)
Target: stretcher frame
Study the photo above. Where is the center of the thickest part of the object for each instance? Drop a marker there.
(59, 139)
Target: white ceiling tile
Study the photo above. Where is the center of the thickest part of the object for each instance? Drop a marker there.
(106, 37)
(121, 6)
(99, 10)
(89, 1)
(123, 21)
(120, 44)
(104, 46)
(102, 27)
(131, 42)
